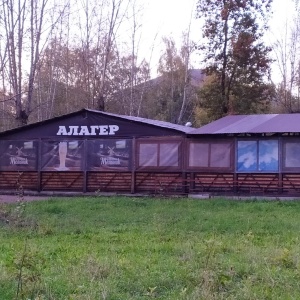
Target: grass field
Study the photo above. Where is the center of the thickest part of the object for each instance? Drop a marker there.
(136, 248)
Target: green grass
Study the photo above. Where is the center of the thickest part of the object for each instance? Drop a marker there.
(135, 248)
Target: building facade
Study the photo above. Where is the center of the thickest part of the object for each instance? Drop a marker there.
(92, 151)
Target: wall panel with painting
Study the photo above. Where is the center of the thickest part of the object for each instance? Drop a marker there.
(62, 155)
(18, 155)
(109, 155)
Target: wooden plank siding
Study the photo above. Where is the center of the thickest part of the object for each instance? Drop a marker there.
(258, 183)
(244, 184)
(109, 182)
(291, 183)
(213, 182)
(62, 181)
(155, 183)
(159, 183)
(19, 180)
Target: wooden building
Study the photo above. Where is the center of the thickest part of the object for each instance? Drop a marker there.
(89, 151)
(92, 151)
(257, 154)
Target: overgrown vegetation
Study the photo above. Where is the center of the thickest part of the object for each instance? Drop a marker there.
(136, 248)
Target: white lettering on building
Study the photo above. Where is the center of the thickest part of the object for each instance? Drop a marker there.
(73, 130)
(93, 130)
(103, 130)
(113, 129)
(15, 160)
(62, 131)
(88, 130)
(110, 161)
(84, 131)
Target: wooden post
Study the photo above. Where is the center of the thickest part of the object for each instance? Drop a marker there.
(84, 166)
(133, 165)
(192, 182)
(39, 165)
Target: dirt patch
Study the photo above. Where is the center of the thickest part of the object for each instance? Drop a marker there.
(16, 198)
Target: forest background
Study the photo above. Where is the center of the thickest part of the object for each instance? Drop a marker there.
(57, 57)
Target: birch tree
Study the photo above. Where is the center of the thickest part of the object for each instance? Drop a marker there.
(176, 92)
(25, 32)
(287, 54)
(98, 29)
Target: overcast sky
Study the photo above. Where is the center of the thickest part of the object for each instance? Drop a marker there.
(170, 18)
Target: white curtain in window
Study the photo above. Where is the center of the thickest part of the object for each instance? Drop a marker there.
(148, 155)
(169, 155)
(198, 156)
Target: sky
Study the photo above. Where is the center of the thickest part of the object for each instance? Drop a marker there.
(172, 17)
(168, 18)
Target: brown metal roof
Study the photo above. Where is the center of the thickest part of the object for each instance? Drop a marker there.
(162, 124)
(134, 121)
(268, 123)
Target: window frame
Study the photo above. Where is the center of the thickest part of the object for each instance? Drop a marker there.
(257, 141)
(284, 168)
(159, 142)
(210, 142)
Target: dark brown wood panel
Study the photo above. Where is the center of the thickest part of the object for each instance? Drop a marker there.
(291, 183)
(258, 183)
(156, 183)
(109, 182)
(62, 181)
(19, 180)
(213, 182)
(159, 183)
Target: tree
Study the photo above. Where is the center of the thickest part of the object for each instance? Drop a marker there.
(169, 97)
(286, 49)
(60, 85)
(235, 55)
(128, 85)
(176, 89)
(172, 68)
(98, 30)
(23, 35)
(50, 53)
(129, 72)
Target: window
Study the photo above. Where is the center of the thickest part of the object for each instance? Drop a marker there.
(261, 156)
(220, 155)
(148, 155)
(155, 154)
(210, 155)
(199, 155)
(291, 155)
(169, 155)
